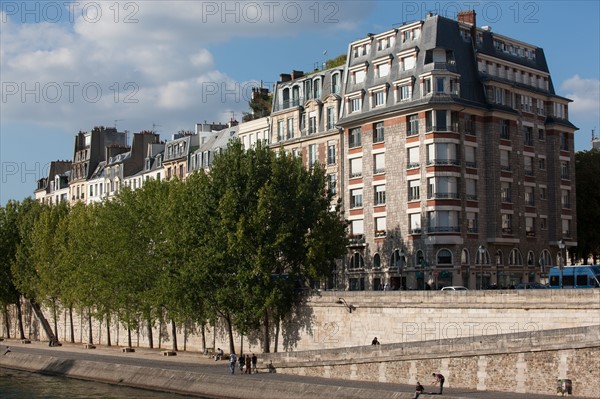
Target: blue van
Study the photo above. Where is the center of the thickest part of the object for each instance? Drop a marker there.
(584, 276)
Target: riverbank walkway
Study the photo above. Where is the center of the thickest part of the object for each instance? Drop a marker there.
(194, 371)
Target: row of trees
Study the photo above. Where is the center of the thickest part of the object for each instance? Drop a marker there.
(237, 244)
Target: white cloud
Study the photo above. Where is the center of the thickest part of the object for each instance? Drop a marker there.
(585, 94)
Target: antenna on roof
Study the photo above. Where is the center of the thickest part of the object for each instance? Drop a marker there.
(593, 133)
(117, 120)
(154, 126)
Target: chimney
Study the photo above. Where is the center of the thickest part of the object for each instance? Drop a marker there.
(285, 77)
(297, 74)
(468, 17)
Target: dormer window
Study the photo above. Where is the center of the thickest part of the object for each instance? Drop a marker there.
(408, 59)
(382, 66)
(358, 73)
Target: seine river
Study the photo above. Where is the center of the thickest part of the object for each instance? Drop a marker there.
(23, 385)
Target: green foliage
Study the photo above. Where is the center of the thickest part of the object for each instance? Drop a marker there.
(336, 62)
(240, 243)
(587, 170)
(260, 104)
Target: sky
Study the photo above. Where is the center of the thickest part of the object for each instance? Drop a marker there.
(163, 65)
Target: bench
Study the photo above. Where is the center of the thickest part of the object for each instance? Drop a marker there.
(169, 353)
(25, 341)
(89, 346)
(125, 350)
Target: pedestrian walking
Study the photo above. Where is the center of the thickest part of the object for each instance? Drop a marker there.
(241, 362)
(254, 361)
(232, 361)
(248, 365)
(439, 379)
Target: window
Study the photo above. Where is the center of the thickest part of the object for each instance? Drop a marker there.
(426, 86)
(405, 92)
(407, 63)
(355, 104)
(506, 223)
(442, 187)
(413, 157)
(471, 189)
(383, 70)
(379, 98)
(566, 227)
(379, 193)
(528, 135)
(530, 226)
(470, 157)
(280, 130)
(442, 154)
(414, 190)
(542, 163)
(377, 262)
(312, 154)
(413, 125)
(444, 257)
(331, 153)
(378, 132)
(379, 163)
(439, 85)
(529, 196)
(565, 196)
(414, 219)
(443, 221)
(355, 167)
(332, 183)
(312, 124)
(472, 222)
(354, 138)
(356, 198)
(505, 190)
(317, 88)
(504, 130)
(335, 83)
(528, 165)
(330, 118)
(543, 223)
(290, 128)
(359, 76)
(564, 141)
(541, 135)
(543, 195)
(564, 170)
(504, 159)
(380, 226)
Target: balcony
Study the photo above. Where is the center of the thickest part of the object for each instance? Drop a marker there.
(294, 102)
(440, 161)
(412, 165)
(380, 233)
(530, 234)
(356, 240)
(443, 196)
(507, 230)
(415, 231)
(444, 229)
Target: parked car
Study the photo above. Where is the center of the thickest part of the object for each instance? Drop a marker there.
(455, 288)
(530, 286)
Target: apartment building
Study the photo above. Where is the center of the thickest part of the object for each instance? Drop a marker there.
(458, 159)
(54, 188)
(89, 151)
(306, 109)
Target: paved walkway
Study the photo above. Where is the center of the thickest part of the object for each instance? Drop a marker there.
(193, 362)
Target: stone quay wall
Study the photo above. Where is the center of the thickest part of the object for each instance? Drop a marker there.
(525, 362)
(340, 319)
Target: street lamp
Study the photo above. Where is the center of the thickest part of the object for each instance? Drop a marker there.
(561, 246)
(481, 250)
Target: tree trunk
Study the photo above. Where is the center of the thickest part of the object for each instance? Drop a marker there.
(129, 336)
(230, 333)
(108, 343)
(7, 321)
(203, 331)
(90, 334)
(71, 321)
(277, 325)
(266, 336)
(42, 319)
(20, 319)
(160, 323)
(174, 332)
(150, 336)
(241, 344)
(54, 311)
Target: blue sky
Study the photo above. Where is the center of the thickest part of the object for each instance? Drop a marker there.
(170, 64)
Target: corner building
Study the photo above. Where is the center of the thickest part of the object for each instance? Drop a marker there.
(458, 159)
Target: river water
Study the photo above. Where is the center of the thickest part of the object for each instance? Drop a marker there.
(23, 385)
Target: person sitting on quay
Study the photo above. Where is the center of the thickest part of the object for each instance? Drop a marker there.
(219, 355)
(375, 341)
(418, 390)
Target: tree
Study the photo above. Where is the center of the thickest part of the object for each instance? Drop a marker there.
(587, 170)
(9, 238)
